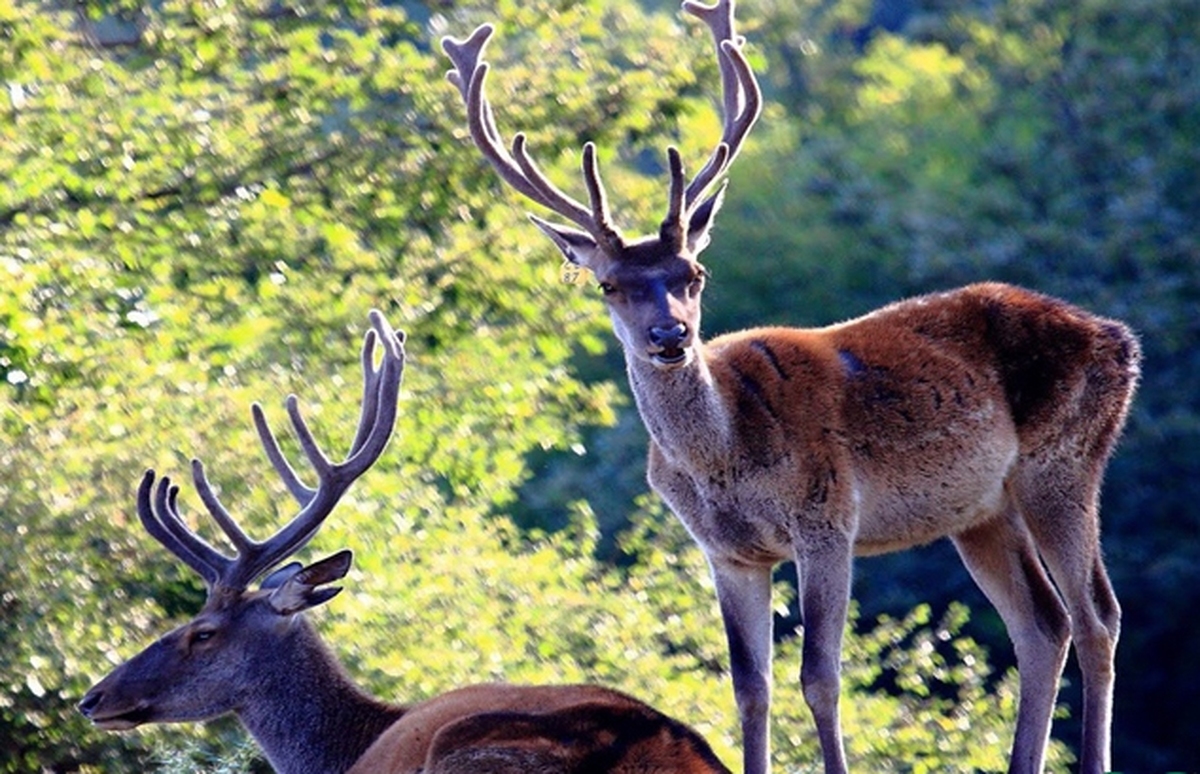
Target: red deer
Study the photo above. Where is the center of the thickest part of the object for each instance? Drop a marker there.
(252, 652)
(985, 414)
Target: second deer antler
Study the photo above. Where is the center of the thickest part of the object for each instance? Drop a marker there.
(160, 514)
(742, 103)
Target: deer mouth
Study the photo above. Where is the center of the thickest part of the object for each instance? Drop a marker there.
(670, 357)
(122, 721)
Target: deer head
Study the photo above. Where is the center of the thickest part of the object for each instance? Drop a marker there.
(651, 285)
(217, 661)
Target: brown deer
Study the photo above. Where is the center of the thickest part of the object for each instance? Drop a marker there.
(985, 415)
(251, 652)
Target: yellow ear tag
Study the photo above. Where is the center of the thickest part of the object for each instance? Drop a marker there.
(572, 274)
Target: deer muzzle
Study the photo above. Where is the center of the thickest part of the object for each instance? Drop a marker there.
(107, 718)
(669, 343)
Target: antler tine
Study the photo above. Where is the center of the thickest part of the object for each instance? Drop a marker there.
(160, 518)
(393, 344)
(301, 492)
(598, 198)
(308, 443)
(741, 96)
(370, 395)
(597, 221)
(375, 429)
(719, 19)
(673, 228)
(166, 505)
(518, 168)
(241, 542)
(465, 56)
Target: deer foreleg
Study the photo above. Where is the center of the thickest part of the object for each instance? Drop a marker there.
(744, 594)
(824, 571)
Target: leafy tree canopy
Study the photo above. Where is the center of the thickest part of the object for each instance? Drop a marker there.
(203, 199)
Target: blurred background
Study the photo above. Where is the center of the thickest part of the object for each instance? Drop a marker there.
(201, 201)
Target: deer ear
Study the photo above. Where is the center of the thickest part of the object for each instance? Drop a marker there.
(701, 222)
(300, 591)
(578, 246)
(280, 576)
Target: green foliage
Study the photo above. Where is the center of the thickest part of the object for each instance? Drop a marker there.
(188, 756)
(203, 199)
(200, 215)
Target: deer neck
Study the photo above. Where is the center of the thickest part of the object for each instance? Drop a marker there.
(682, 409)
(306, 713)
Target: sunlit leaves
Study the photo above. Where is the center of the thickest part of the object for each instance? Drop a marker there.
(201, 202)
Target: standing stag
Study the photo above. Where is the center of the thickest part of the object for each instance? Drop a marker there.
(985, 415)
(250, 652)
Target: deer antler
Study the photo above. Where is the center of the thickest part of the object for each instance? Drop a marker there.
(742, 97)
(518, 168)
(741, 105)
(160, 514)
(742, 102)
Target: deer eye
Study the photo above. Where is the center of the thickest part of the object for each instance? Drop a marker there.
(201, 635)
(607, 288)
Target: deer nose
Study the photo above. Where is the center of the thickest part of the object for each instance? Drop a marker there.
(668, 336)
(88, 705)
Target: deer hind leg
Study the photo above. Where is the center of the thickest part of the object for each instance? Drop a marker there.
(1002, 559)
(744, 594)
(1060, 507)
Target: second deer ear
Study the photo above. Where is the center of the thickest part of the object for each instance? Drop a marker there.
(701, 222)
(578, 246)
(302, 590)
(280, 576)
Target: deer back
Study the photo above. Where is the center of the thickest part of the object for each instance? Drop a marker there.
(564, 729)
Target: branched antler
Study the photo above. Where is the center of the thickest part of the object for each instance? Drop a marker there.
(518, 168)
(741, 105)
(160, 513)
(742, 98)
(742, 102)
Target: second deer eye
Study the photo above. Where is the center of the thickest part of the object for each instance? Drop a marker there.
(200, 636)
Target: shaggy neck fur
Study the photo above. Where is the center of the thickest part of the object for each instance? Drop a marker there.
(306, 713)
(682, 409)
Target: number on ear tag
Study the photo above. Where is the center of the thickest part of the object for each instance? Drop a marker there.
(572, 274)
